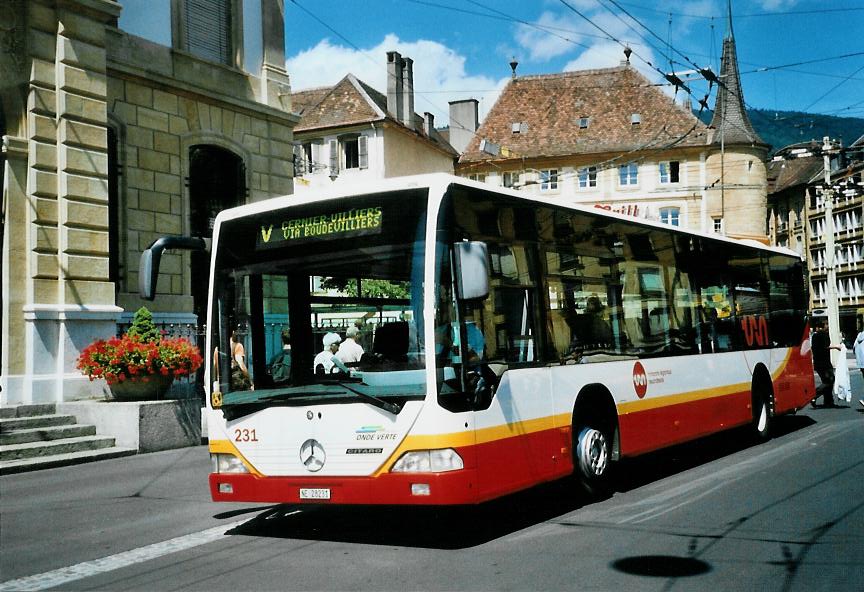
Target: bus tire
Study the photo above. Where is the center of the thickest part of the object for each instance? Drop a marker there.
(592, 455)
(760, 426)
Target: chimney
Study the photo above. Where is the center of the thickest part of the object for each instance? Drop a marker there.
(408, 93)
(394, 85)
(428, 124)
(463, 123)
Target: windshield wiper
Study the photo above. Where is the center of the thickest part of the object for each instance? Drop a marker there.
(239, 409)
(376, 401)
(291, 394)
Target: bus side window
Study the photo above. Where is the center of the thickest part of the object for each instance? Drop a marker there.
(509, 314)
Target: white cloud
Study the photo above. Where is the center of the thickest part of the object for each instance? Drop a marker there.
(439, 72)
(770, 5)
(600, 55)
(553, 36)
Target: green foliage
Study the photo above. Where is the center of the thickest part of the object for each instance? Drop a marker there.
(371, 288)
(143, 327)
(384, 289)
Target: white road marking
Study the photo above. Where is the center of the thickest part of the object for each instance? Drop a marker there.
(64, 575)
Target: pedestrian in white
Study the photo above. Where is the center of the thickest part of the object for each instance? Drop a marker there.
(842, 388)
(858, 347)
(350, 351)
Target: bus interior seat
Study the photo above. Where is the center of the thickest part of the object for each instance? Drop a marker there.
(391, 341)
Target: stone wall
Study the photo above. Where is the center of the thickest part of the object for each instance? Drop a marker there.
(742, 199)
(159, 114)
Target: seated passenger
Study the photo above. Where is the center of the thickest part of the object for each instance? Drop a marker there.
(350, 351)
(326, 361)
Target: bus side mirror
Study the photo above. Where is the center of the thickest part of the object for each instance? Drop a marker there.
(148, 269)
(472, 270)
(148, 273)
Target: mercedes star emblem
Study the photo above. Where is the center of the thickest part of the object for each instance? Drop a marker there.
(312, 455)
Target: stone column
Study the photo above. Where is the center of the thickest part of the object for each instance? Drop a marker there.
(70, 298)
(14, 267)
(275, 85)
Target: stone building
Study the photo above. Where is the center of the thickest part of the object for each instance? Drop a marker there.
(796, 219)
(611, 138)
(111, 140)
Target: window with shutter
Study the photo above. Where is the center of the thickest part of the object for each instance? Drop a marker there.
(309, 157)
(334, 157)
(208, 30)
(299, 161)
(363, 151)
(350, 151)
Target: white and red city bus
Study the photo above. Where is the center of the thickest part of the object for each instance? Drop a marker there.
(508, 341)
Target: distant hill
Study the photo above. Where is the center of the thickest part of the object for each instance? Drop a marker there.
(781, 128)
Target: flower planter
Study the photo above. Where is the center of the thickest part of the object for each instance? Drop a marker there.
(142, 364)
(137, 390)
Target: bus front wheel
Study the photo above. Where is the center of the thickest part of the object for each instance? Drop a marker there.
(593, 453)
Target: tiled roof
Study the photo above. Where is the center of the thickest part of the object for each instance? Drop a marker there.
(350, 102)
(549, 108)
(730, 116)
(784, 174)
(304, 100)
(340, 105)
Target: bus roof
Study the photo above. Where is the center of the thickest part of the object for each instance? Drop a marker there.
(444, 180)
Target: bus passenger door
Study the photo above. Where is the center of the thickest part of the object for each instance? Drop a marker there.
(515, 431)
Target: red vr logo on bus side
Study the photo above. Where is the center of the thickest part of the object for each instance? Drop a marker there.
(640, 380)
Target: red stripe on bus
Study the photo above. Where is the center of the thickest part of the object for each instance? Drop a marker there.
(507, 465)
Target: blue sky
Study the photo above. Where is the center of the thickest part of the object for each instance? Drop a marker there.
(789, 51)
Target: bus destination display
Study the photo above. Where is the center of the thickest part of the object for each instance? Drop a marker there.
(338, 225)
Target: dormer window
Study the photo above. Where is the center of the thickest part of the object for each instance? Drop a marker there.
(583, 122)
(635, 119)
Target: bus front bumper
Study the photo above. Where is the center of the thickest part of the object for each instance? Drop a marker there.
(451, 488)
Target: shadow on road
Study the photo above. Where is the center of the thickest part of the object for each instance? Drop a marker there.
(426, 527)
(636, 472)
(661, 566)
(462, 527)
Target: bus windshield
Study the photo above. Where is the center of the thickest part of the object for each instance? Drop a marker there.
(321, 302)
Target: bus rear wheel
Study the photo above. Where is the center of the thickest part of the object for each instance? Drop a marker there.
(592, 455)
(762, 405)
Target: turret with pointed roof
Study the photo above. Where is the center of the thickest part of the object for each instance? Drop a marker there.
(730, 122)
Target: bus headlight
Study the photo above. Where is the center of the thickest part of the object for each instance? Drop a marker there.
(428, 461)
(227, 463)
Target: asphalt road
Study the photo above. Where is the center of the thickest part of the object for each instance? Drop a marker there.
(718, 514)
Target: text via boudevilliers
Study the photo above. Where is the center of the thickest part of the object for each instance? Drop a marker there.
(348, 223)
